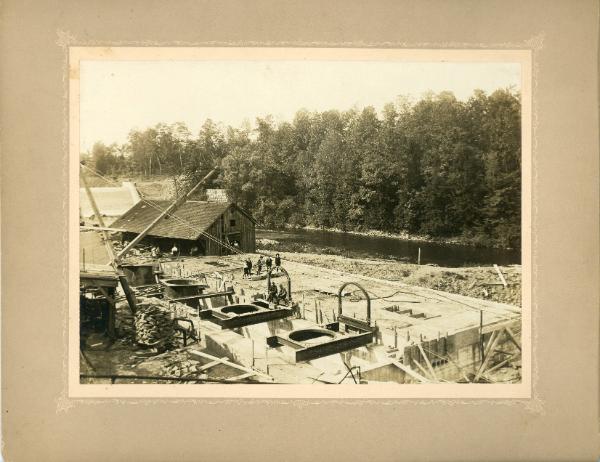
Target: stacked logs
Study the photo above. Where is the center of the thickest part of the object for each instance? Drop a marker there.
(154, 325)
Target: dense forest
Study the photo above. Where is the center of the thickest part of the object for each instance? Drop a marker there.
(439, 166)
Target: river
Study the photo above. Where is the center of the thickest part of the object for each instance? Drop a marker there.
(449, 255)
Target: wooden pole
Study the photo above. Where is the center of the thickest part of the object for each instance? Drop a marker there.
(113, 258)
(500, 364)
(512, 337)
(488, 354)
(427, 361)
(481, 334)
(500, 275)
(105, 236)
(422, 369)
(419, 257)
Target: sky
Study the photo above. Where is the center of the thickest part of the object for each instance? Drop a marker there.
(118, 96)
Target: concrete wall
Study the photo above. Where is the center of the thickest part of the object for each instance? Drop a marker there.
(462, 349)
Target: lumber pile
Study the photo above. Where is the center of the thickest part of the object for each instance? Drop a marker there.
(154, 325)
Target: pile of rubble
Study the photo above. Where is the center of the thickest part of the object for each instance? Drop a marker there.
(477, 282)
(182, 367)
(174, 363)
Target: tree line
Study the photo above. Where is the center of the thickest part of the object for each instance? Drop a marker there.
(439, 166)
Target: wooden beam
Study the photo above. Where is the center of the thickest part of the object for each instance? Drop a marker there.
(488, 347)
(488, 355)
(500, 275)
(111, 312)
(411, 372)
(105, 236)
(421, 368)
(131, 300)
(512, 338)
(212, 363)
(502, 363)
(448, 358)
(229, 363)
(242, 376)
(427, 361)
(499, 325)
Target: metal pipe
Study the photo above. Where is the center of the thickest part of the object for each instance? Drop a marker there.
(362, 290)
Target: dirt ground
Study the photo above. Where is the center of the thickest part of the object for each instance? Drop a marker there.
(479, 282)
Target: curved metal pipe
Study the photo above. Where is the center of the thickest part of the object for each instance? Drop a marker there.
(362, 290)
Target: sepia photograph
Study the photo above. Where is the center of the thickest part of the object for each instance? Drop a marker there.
(260, 216)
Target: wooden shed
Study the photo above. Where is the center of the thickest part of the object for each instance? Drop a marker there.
(194, 225)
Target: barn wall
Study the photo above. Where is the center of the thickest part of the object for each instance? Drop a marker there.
(234, 225)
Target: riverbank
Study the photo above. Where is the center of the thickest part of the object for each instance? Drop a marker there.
(478, 281)
(357, 246)
(467, 241)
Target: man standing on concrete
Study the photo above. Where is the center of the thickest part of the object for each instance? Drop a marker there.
(277, 263)
(268, 263)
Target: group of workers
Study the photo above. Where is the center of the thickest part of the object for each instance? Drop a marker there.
(175, 252)
(266, 262)
(277, 296)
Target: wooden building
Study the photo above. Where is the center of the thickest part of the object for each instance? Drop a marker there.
(196, 227)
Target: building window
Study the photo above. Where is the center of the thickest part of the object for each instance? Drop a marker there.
(232, 223)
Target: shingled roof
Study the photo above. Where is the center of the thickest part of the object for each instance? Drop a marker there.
(196, 217)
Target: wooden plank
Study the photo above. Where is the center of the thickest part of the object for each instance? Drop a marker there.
(499, 325)
(421, 368)
(500, 275)
(229, 363)
(491, 343)
(99, 282)
(502, 363)
(242, 376)
(427, 361)
(512, 338)
(202, 296)
(412, 373)
(487, 356)
(448, 358)
(212, 363)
